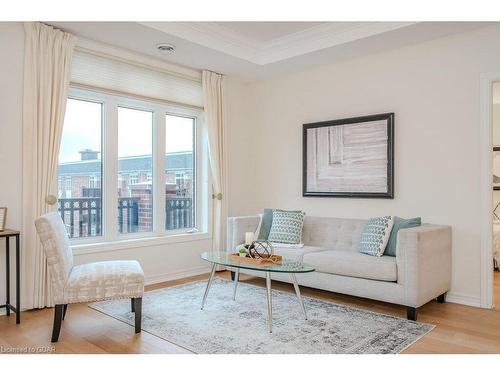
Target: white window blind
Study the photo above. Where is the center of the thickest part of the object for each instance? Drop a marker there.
(117, 75)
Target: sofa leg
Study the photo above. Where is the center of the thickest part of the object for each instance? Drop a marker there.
(138, 314)
(441, 298)
(65, 308)
(411, 313)
(56, 329)
(233, 275)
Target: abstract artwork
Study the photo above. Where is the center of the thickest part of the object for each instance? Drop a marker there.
(3, 218)
(496, 168)
(350, 157)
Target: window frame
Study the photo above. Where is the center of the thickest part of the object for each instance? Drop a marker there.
(110, 102)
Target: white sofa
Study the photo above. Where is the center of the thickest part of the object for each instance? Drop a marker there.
(420, 272)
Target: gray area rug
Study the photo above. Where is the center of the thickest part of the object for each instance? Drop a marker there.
(227, 326)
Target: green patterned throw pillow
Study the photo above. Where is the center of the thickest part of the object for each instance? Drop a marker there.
(286, 227)
(266, 221)
(375, 235)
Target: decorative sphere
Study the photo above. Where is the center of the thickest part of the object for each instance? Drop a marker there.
(260, 249)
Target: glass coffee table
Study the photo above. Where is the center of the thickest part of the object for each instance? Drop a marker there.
(285, 266)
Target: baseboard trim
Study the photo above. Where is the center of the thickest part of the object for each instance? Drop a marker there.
(463, 299)
(155, 279)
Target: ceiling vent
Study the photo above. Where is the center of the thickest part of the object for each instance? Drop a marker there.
(165, 48)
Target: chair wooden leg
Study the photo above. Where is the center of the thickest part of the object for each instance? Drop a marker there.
(138, 314)
(64, 311)
(58, 315)
(132, 303)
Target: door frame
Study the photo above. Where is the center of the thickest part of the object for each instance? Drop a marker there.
(486, 186)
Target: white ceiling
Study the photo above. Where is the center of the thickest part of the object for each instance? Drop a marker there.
(257, 50)
(266, 31)
(263, 43)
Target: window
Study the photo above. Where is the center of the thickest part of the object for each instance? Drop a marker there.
(145, 180)
(135, 157)
(179, 151)
(79, 159)
(69, 187)
(133, 178)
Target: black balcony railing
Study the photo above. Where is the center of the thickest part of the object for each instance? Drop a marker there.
(128, 215)
(82, 216)
(179, 213)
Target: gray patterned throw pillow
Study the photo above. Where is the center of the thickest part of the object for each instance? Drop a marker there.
(376, 235)
(286, 227)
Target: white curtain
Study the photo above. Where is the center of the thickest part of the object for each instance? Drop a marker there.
(47, 63)
(213, 92)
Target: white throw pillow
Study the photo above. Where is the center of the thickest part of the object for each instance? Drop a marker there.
(375, 235)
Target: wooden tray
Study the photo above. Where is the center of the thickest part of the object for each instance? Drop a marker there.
(274, 259)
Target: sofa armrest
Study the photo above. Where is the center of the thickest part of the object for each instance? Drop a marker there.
(236, 228)
(423, 258)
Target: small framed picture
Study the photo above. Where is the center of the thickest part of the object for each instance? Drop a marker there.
(3, 218)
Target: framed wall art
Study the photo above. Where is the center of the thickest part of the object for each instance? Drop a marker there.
(3, 218)
(352, 157)
(496, 167)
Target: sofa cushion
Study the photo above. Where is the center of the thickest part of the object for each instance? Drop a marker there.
(376, 235)
(266, 220)
(399, 223)
(286, 227)
(349, 263)
(333, 233)
(297, 254)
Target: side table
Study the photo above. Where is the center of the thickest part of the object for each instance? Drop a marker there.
(8, 233)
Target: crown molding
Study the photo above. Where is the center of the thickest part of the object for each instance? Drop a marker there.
(324, 36)
(210, 35)
(222, 39)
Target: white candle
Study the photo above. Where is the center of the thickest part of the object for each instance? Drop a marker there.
(248, 238)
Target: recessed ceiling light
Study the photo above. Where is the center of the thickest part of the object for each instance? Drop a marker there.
(165, 47)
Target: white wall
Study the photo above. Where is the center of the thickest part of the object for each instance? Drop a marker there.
(433, 88)
(160, 262)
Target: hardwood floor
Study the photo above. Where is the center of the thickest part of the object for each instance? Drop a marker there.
(459, 329)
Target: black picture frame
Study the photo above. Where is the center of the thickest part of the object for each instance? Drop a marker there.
(389, 194)
(496, 149)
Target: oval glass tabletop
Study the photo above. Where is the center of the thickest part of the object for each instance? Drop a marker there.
(286, 265)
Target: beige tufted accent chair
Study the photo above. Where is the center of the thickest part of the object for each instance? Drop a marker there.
(87, 282)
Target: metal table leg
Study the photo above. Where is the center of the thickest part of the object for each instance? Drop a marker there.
(209, 283)
(297, 291)
(7, 273)
(269, 301)
(236, 279)
(18, 282)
